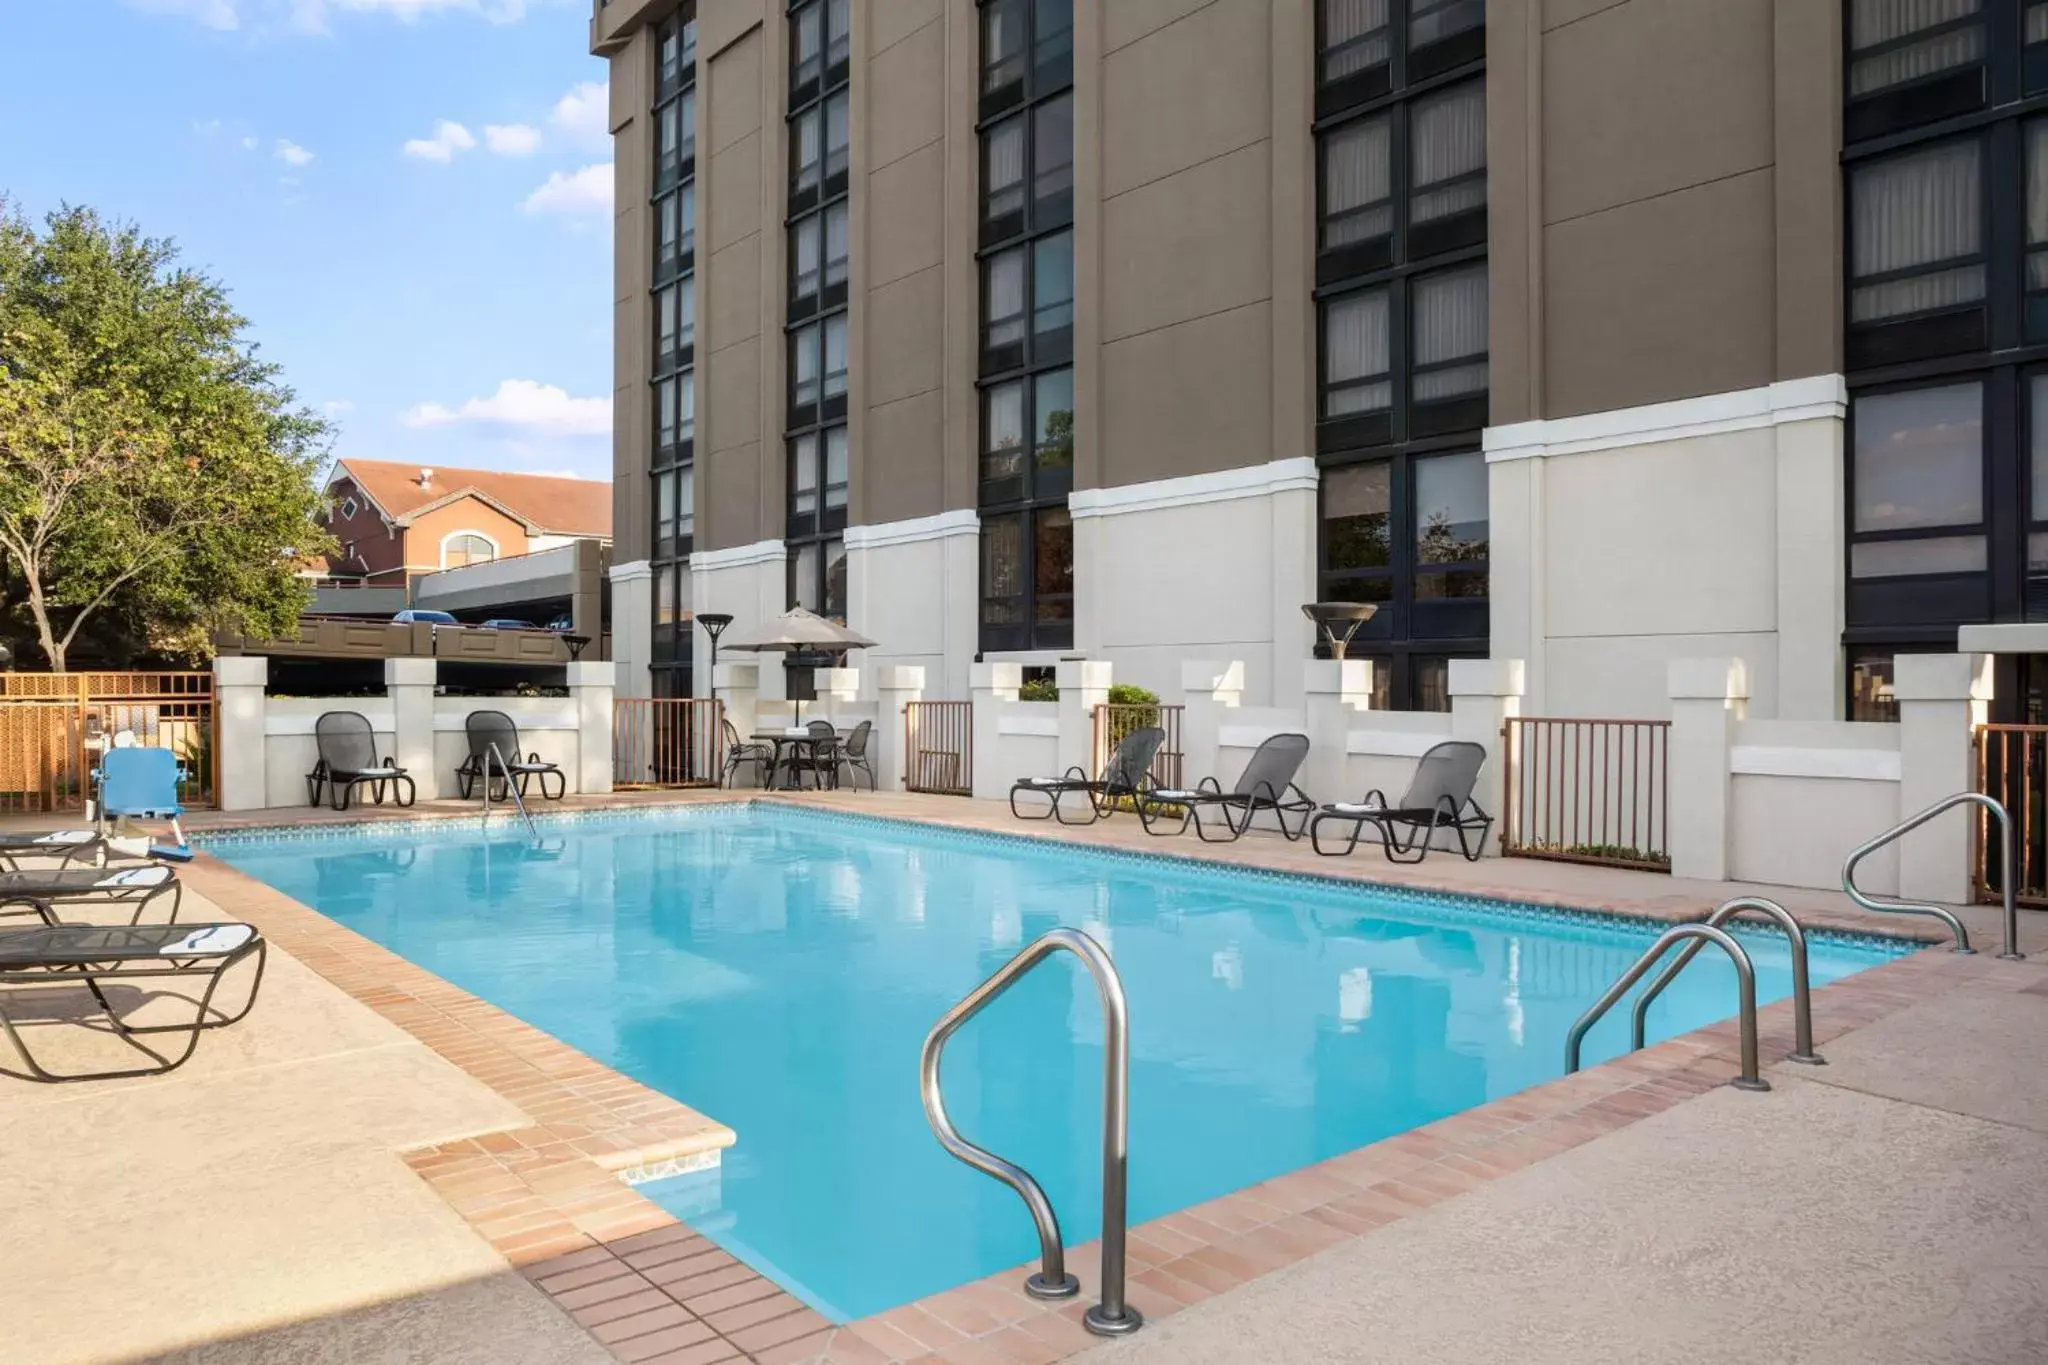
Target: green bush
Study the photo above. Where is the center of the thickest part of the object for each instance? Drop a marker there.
(1130, 694)
(1039, 689)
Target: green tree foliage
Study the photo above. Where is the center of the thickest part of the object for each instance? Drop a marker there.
(153, 471)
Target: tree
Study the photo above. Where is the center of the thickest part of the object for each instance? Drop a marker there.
(151, 466)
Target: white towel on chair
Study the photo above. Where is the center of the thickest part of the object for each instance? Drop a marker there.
(1171, 794)
(1354, 808)
(66, 836)
(137, 876)
(214, 938)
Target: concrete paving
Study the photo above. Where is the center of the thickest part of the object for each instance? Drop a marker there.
(1891, 1207)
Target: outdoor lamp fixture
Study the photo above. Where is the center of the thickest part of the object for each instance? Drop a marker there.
(714, 623)
(1328, 616)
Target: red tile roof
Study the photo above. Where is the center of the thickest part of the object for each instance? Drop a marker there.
(556, 506)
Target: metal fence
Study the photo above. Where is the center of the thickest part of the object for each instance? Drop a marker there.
(667, 742)
(53, 725)
(938, 747)
(1587, 791)
(2012, 767)
(1114, 720)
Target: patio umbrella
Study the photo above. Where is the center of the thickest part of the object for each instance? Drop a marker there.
(795, 630)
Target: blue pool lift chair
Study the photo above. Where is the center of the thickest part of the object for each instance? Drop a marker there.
(134, 782)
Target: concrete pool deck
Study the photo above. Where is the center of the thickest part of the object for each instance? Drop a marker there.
(376, 1166)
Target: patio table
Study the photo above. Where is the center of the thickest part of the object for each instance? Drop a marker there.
(794, 742)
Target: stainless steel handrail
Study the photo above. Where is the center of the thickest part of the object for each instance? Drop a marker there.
(1745, 980)
(511, 789)
(1112, 1316)
(1802, 999)
(2012, 951)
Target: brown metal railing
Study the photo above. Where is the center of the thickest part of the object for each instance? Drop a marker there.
(2012, 769)
(667, 742)
(1114, 720)
(938, 747)
(52, 727)
(1587, 791)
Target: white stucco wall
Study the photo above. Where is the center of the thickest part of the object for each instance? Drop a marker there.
(913, 587)
(1803, 794)
(751, 583)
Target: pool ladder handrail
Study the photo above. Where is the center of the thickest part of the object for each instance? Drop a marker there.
(491, 755)
(1802, 996)
(1113, 1316)
(2007, 890)
(1745, 981)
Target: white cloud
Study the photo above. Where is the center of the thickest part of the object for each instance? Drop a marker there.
(575, 193)
(214, 14)
(310, 16)
(206, 127)
(248, 144)
(291, 153)
(335, 407)
(584, 114)
(522, 403)
(449, 138)
(511, 139)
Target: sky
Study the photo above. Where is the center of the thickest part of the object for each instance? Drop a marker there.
(410, 200)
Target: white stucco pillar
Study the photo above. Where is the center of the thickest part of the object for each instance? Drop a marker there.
(1485, 693)
(991, 687)
(1942, 698)
(239, 714)
(739, 687)
(633, 627)
(1811, 587)
(896, 686)
(1708, 697)
(836, 688)
(1334, 692)
(1084, 685)
(590, 693)
(1210, 689)
(409, 683)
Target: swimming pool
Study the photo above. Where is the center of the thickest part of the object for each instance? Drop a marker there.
(778, 969)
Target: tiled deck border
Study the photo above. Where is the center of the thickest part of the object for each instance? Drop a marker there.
(549, 1197)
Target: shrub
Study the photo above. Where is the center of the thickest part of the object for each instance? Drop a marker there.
(1039, 689)
(1130, 694)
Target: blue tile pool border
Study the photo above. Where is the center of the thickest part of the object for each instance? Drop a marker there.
(1457, 903)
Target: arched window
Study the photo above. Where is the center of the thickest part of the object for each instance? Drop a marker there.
(467, 547)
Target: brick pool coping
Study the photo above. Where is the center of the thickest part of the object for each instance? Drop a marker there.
(550, 1197)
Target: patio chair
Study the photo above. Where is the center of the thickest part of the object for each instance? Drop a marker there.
(1439, 796)
(134, 782)
(1266, 784)
(1124, 776)
(40, 891)
(112, 961)
(348, 759)
(488, 728)
(851, 753)
(824, 746)
(738, 752)
(65, 845)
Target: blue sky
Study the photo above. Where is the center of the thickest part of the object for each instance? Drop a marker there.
(409, 199)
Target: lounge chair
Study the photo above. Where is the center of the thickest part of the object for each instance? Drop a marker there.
(134, 782)
(39, 891)
(494, 728)
(738, 752)
(115, 958)
(1124, 776)
(65, 845)
(1266, 784)
(851, 753)
(348, 759)
(1438, 797)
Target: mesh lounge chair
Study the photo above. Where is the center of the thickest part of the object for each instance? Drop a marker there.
(108, 961)
(1125, 775)
(487, 728)
(40, 891)
(1438, 797)
(851, 753)
(738, 753)
(65, 845)
(348, 759)
(1267, 783)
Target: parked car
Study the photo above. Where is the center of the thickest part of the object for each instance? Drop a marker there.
(432, 618)
(562, 625)
(507, 623)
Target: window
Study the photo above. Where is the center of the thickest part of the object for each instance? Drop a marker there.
(672, 498)
(817, 482)
(1916, 234)
(1028, 305)
(467, 547)
(820, 43)
(675, 322)
(1367, 49)
(349, 507)
(1027, 578)
(1912, 62)
(1027, 51)
(675, 512)
(817, 578)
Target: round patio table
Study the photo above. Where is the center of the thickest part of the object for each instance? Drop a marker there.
(793, 743)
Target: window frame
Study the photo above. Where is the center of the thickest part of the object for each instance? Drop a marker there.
(1406, 65)
(672, 463)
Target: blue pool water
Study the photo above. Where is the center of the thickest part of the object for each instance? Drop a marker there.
(779, 969)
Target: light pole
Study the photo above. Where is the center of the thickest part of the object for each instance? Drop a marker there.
(714, 623)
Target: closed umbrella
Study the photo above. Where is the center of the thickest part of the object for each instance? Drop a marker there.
(798, 629)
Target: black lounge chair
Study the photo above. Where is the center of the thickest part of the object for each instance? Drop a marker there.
(1125, 776)
(40, 891)
(488, 728)
(1438, 797)
(348, 759)
(111, 958)
(65, 845)
(738, 752)
(1267, 783)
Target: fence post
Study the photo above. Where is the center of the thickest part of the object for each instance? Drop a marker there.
(409, 683)
(1084, 685)
(992, 686)
(240, 766)
(1485, 693)
(896, 686)
(1334, 691)
(1708, 697)
(590, 693)
(1209, 688)
(1942, 699)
